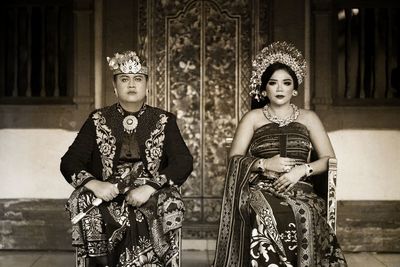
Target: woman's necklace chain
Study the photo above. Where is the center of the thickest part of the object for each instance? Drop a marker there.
(281, 122)
(130, 122)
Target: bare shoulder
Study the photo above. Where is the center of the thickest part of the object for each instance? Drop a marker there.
(252, 115)
(309, 115)
(309, 118)
(318, 134)
(252, 119)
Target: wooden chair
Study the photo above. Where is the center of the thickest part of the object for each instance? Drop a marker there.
(325, 187)
(80, 261)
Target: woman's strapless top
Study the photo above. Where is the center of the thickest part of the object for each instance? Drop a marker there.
(292, 140)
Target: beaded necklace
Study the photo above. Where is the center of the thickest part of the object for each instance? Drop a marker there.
(281, 122)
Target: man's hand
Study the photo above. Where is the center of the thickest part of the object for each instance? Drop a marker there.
(138, 196)
(104, 190)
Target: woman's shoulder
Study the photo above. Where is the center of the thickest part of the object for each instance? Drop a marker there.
(253, 119)
(309, 118)
(253, 115)
(308, 115)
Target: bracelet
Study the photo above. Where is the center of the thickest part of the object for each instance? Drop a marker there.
(309, 170)
(260, 165)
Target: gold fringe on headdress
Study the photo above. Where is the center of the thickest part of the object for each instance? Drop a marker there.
(281, 52)
(127, 62)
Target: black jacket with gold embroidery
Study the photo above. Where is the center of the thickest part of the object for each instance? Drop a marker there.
(95, 151)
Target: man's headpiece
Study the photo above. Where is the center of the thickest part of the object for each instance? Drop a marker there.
(281, 52)
(127, 62)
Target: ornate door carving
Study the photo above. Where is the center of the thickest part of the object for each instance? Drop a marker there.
(199, 54)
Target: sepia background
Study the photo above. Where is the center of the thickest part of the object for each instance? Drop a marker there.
(53, 73)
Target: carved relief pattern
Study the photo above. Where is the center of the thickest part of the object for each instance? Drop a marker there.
(212, 210)
(221, 70)
(161, 10)
(264, 22)
(193, 210)
(245, 59)
(199, 53)
(183, 76)
(332, 173)
(143, 25)
(242, 9)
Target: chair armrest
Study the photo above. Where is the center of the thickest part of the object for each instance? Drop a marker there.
(331, 196)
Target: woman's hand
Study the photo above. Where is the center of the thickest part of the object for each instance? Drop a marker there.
(104, 190)
(279, 164)
(288, 180)
(138, 196)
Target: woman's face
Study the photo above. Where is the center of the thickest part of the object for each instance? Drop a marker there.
(280, 87)
(131, 88)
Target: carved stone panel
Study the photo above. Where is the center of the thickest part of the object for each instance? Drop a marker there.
(199, 54)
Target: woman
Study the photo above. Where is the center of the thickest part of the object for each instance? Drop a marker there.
(131, 157)
(271, 215)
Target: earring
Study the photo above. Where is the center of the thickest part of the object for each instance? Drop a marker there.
(295, 93)
(264, 93)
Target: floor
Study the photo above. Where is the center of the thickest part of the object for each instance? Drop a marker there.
(193, 258)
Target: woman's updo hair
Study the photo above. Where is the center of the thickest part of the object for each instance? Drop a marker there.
(266, 76)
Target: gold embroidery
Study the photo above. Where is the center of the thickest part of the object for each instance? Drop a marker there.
(119, 213)
(154, 146)
(140, 255)
(77, 180)
(106, 142)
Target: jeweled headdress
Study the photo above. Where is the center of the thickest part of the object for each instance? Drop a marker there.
(127, 62)
(281, 52)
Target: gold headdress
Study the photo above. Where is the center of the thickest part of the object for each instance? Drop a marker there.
(127, 62)
(281, 52)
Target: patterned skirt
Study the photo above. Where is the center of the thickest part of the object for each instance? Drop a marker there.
(129, 236)
(290, 229)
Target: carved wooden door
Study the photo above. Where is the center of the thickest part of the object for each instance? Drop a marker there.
(199, 54)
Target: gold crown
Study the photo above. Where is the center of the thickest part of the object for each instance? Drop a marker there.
(127, 62)
(281, 52)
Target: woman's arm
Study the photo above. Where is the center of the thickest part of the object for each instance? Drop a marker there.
(320, 141)
(243, 135)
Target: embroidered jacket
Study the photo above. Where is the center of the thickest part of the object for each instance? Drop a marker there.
(95, 151)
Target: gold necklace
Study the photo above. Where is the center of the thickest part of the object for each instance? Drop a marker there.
(281, 122)
(130, 122)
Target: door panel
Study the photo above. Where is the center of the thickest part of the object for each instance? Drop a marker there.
(199, 54)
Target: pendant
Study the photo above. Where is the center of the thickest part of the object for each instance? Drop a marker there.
(130, 123)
